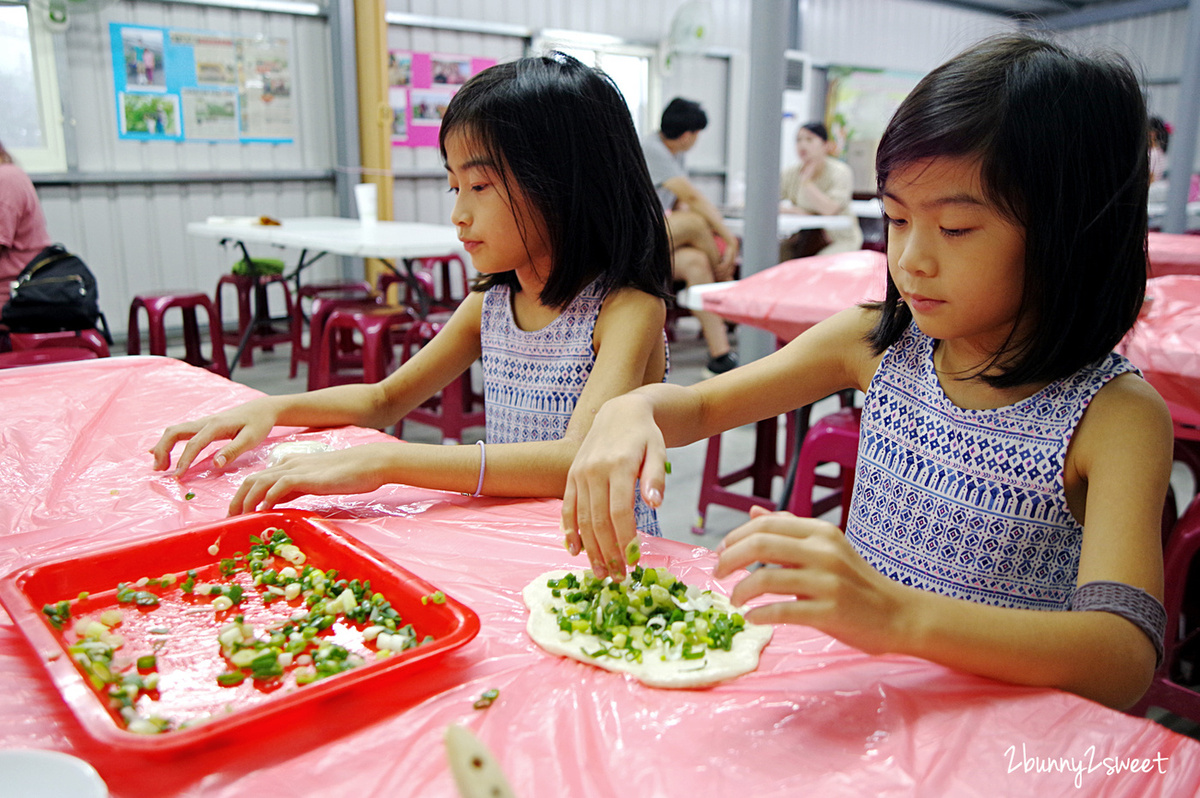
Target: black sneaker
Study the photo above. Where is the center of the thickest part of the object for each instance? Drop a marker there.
(720, 365)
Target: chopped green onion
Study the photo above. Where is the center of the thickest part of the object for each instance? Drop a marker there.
(487, 699)
(633, 552)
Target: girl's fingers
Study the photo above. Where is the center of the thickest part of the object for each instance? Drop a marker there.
(194, 446)
(777, 522)
(806, 584)
(600, 533)
(162, 449)
(653, 478)
(777, 538)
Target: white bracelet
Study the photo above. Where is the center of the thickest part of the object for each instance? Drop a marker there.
(482, 463)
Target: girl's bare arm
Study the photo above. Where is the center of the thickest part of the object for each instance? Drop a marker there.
(631, 434)
(370, 405)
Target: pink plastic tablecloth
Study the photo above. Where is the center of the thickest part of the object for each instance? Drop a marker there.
(817, 718)
(1171, 253)
(1165, 343)
(789, 298)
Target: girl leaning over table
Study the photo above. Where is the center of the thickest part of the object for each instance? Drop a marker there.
(556, 208)
(1011, 467)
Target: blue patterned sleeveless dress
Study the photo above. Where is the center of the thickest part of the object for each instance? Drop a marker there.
(532, 379)
(969, 503)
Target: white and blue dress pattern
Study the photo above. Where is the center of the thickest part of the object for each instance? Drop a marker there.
(969, 503)
(533, 378)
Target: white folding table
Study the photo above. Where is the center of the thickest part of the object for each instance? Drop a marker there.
(318, 236)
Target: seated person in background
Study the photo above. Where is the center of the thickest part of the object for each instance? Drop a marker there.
(819, 185)
(1160, 137)
(22, 224)
(693, 221)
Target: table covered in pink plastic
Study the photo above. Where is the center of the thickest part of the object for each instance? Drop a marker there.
(817, 718)
(1172, 253)
(1165, 343)
(789, 298)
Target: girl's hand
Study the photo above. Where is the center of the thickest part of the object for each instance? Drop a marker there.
(622, 446)
(353, 470)
(827, 584)
(245, 425)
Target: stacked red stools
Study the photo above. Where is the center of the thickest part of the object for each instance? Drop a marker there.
(321, 299)
(457, 406)
(253, 313)
(377, 326)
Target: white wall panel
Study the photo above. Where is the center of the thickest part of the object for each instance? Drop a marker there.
(1156, 44)
(905, 35)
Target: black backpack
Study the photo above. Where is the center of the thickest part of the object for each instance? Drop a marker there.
(55, 292)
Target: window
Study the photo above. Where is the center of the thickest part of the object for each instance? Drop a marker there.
(628, 65)
(31, 126)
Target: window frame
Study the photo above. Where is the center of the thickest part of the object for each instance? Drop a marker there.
(574, 42)
(52, 155)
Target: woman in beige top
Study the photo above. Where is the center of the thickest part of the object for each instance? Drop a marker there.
(820, 185)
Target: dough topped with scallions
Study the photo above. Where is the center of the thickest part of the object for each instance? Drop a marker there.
(650, 625)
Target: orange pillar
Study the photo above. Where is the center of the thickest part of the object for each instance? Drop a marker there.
(374, 111)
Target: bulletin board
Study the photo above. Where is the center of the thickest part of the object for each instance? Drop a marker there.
(420, 86)
(178, 85)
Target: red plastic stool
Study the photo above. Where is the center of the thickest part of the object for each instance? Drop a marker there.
(322, 299)
(442, 279)
(253, 309)
(92, 340)
(831, 439)
(377, 326)
(453, 409)
(46, 354)
(762, 470)
(156, 305)
(1165, 691)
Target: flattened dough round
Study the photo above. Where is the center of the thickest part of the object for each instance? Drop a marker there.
(716, 666)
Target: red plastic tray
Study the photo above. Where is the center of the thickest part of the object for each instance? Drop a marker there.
(192, 659)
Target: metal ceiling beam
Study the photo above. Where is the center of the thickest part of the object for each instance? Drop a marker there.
(1100, 13)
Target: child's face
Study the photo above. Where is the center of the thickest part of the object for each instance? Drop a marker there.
(958, 263)
(485, 214)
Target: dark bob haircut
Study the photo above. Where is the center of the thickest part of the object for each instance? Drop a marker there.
(682, 116)
(562, 133)
(1061, 140)
(818, 129)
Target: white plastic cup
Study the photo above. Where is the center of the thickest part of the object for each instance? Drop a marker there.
(367, 200)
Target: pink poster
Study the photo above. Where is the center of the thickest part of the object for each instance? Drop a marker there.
(420, 86)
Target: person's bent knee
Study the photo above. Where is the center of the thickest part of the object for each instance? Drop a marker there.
(692, 266)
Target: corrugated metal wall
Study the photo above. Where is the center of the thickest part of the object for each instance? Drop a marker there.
(1156, 43)
(132, 233)
(905, 35)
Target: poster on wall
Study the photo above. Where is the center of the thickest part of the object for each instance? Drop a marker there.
(420, 86)
(858, 105)
(176, 85)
